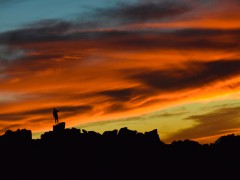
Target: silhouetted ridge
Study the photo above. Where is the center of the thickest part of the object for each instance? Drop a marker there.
(110, 134)
(124, 135)
(71, 152)
(59, 133)
(22, 135)
(228, 140)
(59, 127)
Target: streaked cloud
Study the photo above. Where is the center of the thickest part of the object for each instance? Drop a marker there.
(212, 125)
(193, 75)
(144, 11)
(10, 53)
(121, 60)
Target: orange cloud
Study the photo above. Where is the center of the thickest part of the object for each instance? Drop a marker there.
(135, 66)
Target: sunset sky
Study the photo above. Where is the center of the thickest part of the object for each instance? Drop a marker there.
(171, 65)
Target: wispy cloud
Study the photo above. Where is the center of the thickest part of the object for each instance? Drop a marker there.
(193, 75)
(121, 60)
(211, 125)
(143, 11)
(10, 53)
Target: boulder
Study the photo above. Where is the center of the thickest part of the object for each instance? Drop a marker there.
(59, 127)
(152, 136)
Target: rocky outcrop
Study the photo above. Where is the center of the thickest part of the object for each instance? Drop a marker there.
(21, 135)
(68, 151)
(59, 127)
(152, 136)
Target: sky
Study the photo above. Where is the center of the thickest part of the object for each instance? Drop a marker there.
(170, 65)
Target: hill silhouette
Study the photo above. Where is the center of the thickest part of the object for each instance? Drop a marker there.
(117, 154)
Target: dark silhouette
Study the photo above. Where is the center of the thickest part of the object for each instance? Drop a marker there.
(118, 154)
(55, 115)
(59, 127)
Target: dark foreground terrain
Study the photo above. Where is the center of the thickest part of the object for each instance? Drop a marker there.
(124, 154)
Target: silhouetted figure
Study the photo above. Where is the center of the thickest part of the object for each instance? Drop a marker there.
(55, 115)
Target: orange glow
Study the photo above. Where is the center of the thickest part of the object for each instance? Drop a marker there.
(104, 73)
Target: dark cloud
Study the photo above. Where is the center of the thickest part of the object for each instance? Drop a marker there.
(195, 74)
(32, 63)
(35, 62)
(166, 115)
(211, 124)
(46, 30)
(188, 39)
(65, 110)
(37, 120)
(121, 94)
(116, 107)
(12, 117)
(78, 30)
(9, 53)
(74, 110)
(140, 11)
(144, 11)
(133, 12)
(204, 39)
(234, 85)
(45, 57)
(120, 99)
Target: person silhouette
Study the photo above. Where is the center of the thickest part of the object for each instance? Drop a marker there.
(55, 115)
